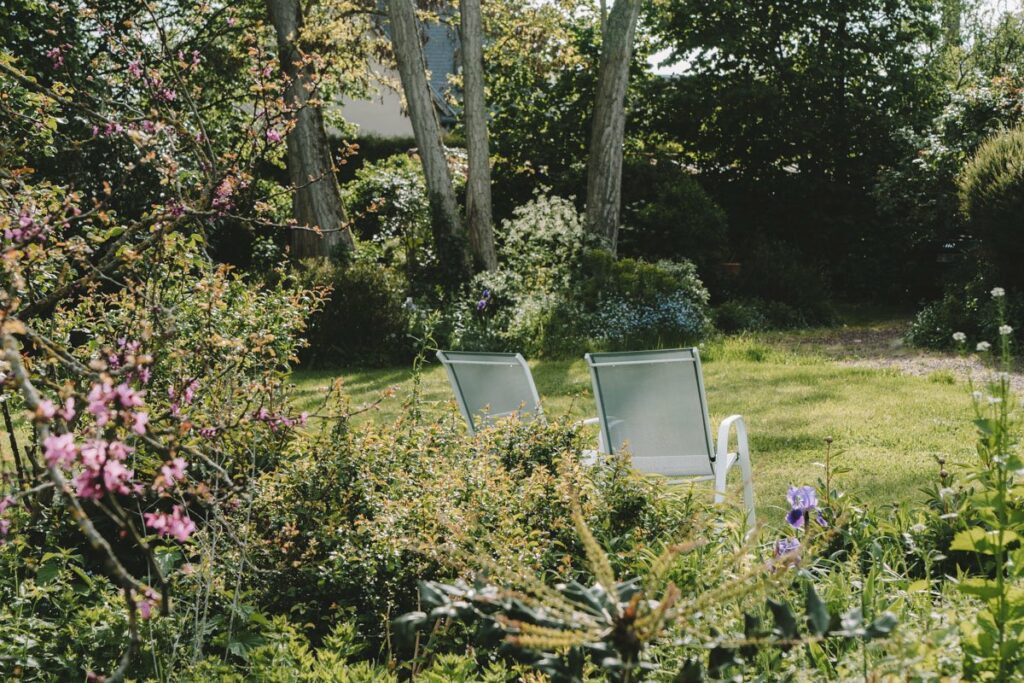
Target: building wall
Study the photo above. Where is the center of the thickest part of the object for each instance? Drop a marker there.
(383, 115)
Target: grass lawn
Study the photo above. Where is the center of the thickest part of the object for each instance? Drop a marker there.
(887, 425)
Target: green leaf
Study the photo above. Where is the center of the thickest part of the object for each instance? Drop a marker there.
(785, 622)
(882, 626)
(47, 573)
(986, 589)
(979, 540)
(817, 612)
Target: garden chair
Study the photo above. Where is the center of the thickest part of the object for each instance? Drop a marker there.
(490, 386)
(652, 404)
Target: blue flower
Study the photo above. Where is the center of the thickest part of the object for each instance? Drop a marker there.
(485, 299)
(803, 500)
(785, 546)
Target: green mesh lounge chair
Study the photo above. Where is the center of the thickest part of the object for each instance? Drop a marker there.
(490, 386)
(652, 404)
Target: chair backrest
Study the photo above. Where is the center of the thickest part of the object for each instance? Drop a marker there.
(489, 386)
(652, 404)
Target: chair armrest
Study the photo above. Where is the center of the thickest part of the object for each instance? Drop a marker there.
(589, 421)
(729, 424)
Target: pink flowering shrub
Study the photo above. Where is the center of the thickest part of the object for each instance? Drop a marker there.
(134, 367)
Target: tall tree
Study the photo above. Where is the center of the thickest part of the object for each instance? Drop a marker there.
(317, 207)
(478, 181)
(444, 209)
(608, 127)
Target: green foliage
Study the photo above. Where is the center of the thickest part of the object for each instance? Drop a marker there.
(789, 110)
(775, 271)
(668, 215)
(356, 517)
(967, 308)
(556, 294)
(992, 640)
(364, 319)
(756, 315)
(614, 624)
(992, 200)
(387, 203)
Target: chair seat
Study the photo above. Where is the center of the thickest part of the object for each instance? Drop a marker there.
(688, 467)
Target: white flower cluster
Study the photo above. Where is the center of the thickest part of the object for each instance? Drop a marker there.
(618, 320)
(959, 337)
(998, 292)
(1005, 330)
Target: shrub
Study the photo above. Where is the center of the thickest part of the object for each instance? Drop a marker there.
(356, 517)
(632, 302)
(966, 308)
(776, 271)
(556, 294)
(668, 215)
(992, 200)
(364, 320)
(756, 315)
(387, 204)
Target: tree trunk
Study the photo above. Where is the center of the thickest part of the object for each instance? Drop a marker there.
(444, 209)
(608, 128)
(478, 181)
(316, 202)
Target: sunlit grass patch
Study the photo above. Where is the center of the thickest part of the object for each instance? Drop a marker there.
(887, 425)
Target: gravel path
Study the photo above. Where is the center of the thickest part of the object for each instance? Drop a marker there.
(882, 347)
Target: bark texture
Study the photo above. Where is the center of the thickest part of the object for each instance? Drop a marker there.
(316, 201)
(608, 127)
(444, 209)
(478, 181)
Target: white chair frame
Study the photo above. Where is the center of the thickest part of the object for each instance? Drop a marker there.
(721, 458)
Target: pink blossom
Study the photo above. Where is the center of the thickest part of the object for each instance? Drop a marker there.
(190, 391)
(68, 411)
(56, 55)
(273, 135)
(139, 422)
(59, 450)
(135, 68)
(232, 21)
(94, 454)
(146, 602)
(88, 485)
(172, 472)
(99, 397)
(119, 450)
(28, 228)
(5, 524)
(116, 477)
(176, 525)
(128, 397)
(208, 432)
(46, 410)
(166, 95)
(101, 474)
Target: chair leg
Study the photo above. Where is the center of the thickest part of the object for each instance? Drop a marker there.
(721, 474)
(748, 485)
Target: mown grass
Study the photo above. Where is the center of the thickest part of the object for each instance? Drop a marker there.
(887, 426)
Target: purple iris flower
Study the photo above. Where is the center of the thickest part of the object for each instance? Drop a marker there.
(803, 500)
(484, 300)
(785, 546)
